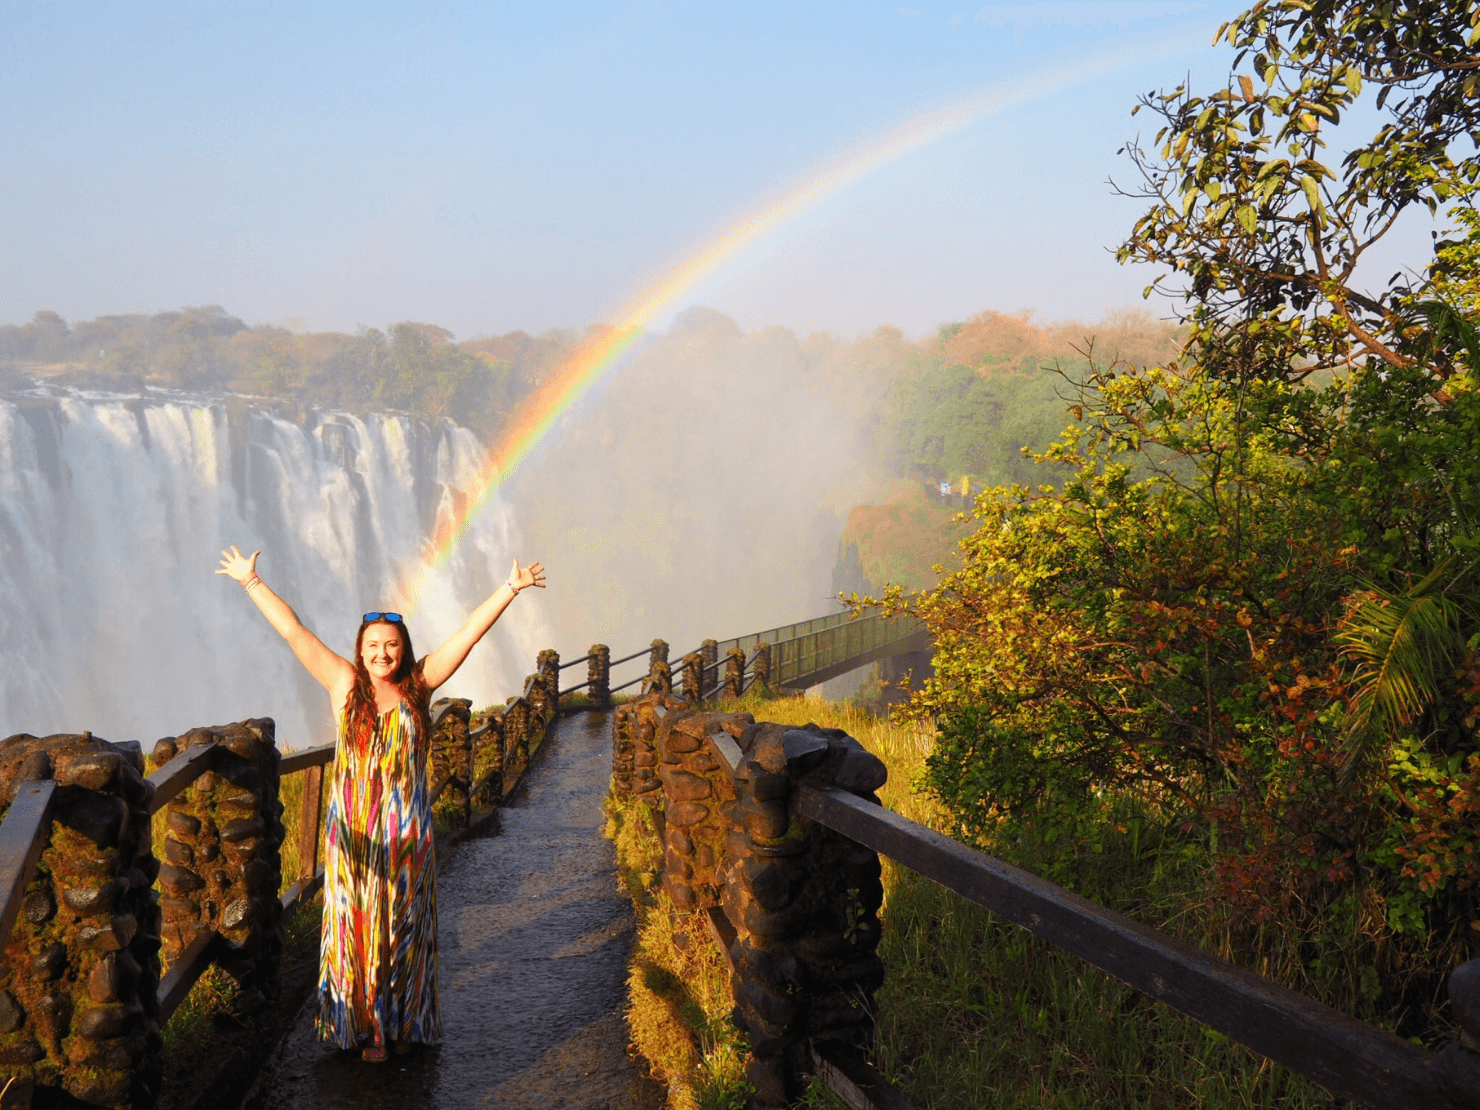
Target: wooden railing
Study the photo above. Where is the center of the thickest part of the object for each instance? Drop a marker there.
(792, 656)
(811, 652)
(790, 784)
(475, 760)
(1351, 1059)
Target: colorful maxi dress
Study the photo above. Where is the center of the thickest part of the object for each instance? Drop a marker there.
(378, 952)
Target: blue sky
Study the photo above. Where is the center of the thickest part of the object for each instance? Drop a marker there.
(492, 166)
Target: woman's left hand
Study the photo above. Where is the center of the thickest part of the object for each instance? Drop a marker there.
(532, 575)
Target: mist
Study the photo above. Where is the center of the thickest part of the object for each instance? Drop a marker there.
(699, 492)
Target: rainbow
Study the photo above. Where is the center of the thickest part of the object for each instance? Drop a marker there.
(539, 413)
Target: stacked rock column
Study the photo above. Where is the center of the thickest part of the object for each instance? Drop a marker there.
(79, 975)
(709, 677)
(660, 674)
(599, 675)
(695, 786)
(804, 902)
(649, 714)
(693, 677)
(760, 666)
(516, 733)
(452, 757)
(488, 759)
(624, 720)
(222, 866)
(734, 673)
(548, 665)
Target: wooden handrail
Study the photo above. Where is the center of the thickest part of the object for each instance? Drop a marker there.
(441, 788)
(22, 840)
(302, 890)
(294, 762)
(629, 658)
(181, 771)
(1353, 1059)
(187, 968)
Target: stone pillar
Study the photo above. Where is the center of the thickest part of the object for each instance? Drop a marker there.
(660, 674)
(79, 976)
(222, 867)
(541, 706)
(547, 664)
(693, 677)
(488, 759)
(695, 786)
(648, 715)
(452, 756)
(734, 673)
(760, 666)
(659, 679)
(516, 733)
(624, 720)
(804, 903)
(709, 649)
(599, 675)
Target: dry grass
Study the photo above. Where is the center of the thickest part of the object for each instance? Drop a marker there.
(679, 996)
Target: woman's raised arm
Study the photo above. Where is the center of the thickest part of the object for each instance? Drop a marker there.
(332, 671)
(440, 665)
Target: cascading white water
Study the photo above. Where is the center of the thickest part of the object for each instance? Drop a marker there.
(113, 513)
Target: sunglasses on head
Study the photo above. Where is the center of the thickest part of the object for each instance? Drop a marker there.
(393, 617)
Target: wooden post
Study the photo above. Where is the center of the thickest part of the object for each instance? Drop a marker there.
(308, 822)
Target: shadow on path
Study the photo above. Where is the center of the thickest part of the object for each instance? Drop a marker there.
(533, 940)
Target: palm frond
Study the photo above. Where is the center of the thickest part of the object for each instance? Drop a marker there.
(1403, 646)
(1449, 328)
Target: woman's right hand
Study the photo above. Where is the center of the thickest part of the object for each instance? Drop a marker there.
(237, 566)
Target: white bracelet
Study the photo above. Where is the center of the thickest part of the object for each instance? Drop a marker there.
(513, 589)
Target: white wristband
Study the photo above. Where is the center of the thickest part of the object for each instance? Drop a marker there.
(513, 589)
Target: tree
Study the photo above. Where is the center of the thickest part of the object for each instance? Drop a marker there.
(1262, 232)
(1250, 606)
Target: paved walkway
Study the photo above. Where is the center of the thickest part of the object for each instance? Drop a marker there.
(533, 943)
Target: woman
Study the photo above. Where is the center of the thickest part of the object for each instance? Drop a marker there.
(378, 955)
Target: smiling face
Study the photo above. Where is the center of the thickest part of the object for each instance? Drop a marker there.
(381, 649)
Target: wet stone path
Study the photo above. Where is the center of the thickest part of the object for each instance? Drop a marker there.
(533, 940)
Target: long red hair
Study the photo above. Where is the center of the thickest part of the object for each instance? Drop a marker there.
(359, 704)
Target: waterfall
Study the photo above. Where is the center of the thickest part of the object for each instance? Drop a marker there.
(113, 513)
